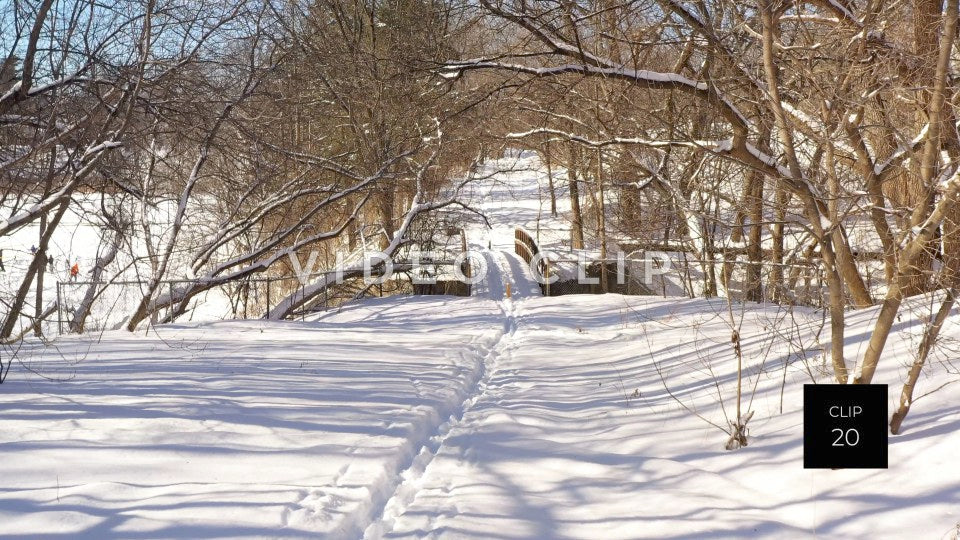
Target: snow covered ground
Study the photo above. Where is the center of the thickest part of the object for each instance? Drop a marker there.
(574, 435)
(512, 194)
(237, 428)
(441, 417)
(484, 417)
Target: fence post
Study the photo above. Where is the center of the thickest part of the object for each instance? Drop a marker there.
(268, 296)
(547, 277)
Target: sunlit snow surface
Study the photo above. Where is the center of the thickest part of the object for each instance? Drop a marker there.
(236, 428)
(534, 418)
(482, 417)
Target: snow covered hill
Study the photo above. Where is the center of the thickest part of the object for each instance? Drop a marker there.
(563, 417)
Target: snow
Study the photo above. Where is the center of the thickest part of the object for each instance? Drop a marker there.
(602, 68)
(13, 90)
(80, 239)
(494, 416)
(608, 70)
(234, 429)
(837, 6)
(439, 417)
(555, 447)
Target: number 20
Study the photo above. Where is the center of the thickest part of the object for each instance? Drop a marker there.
(845, 437)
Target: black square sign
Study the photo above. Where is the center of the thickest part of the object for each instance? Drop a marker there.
(845, 426)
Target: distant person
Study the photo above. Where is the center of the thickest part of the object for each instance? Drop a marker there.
(50, 262)
(74, 271)
(33, 250)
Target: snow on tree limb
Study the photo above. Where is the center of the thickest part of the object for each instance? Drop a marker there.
(646, 78)
(92, 156)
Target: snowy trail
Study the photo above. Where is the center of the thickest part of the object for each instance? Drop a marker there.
(412, 477)
(572, 435)
(502, 268)
(512, 196)
(434, 417)
(240, 429)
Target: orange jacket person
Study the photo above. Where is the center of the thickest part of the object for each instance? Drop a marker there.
(74, 271)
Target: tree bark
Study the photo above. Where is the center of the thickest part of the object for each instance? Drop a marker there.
(553, 191)
(576, 230)
(753, 285)
(812, 207)
(93, 290)
(602, 225)
(776, 283)
(919, 246)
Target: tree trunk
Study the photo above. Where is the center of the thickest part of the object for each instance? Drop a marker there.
(553, 191)
(386, 204)
(919, 246)
(602, 225)
(846, 264)
(576, 230)
(912, 192)
(776, 283)
(752, 285)
(926, 345)
(40, 254)
(813, 208)
(93, 290)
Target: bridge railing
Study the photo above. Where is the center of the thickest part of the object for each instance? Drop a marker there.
(526, 247)
(801, 284)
